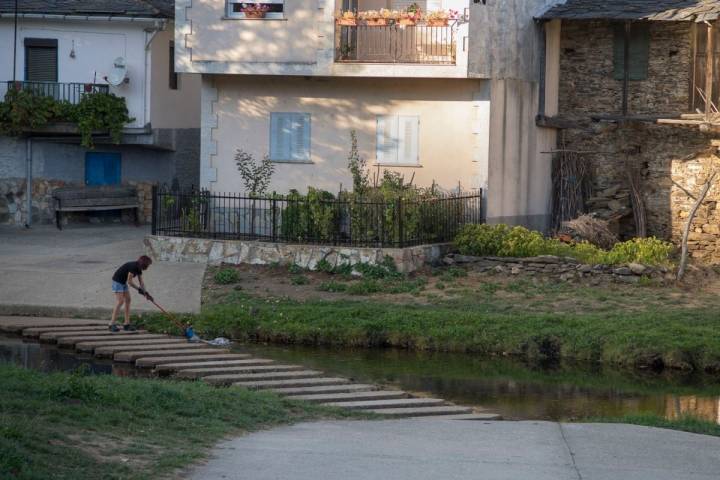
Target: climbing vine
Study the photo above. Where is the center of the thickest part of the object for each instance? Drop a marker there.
(24, 110)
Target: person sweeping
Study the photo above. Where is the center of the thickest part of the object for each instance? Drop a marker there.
(123, 277)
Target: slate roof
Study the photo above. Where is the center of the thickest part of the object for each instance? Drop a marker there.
(656, 10)
(104, 8)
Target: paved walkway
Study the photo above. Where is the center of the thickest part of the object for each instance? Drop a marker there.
(43, 269)
(419, 449)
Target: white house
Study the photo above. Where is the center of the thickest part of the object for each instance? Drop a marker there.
(63, 49)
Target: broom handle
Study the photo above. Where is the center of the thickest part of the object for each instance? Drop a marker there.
(170, 316)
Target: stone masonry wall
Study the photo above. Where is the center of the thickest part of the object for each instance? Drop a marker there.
(13, 202)
(666, 155)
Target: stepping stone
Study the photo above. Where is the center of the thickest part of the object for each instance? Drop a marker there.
(204, 372)
(72, 339)
(18, 324)
(90, 346)
(133, 355)
(356, 387)
(301, 382)
(350, 397)
(395, 403)
(149, 362)
(35, 332)
(259, 377)
(420, 411)
(154, 347)
(171, 367)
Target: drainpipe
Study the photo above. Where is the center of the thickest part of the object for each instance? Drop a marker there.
(28, 188)
(147, 90)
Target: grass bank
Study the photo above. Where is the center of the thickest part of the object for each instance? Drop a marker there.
(685, 424)
(683, 338)
(70, 426)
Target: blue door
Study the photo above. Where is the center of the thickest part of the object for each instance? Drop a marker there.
(102, 168)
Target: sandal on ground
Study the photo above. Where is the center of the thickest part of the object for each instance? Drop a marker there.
(129, 328)
(113, 328)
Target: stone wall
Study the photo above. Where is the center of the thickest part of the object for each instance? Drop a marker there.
(13, 201)
(667, 156)
(215, 252)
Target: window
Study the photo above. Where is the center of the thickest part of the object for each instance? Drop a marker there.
(273, 9)
(290, 137)
(41, 60)
(397, 139)
(173, 76)
(639, 51)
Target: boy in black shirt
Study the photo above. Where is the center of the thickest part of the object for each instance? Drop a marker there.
(124, 276)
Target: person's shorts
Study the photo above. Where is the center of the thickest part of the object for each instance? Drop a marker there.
(118, 287)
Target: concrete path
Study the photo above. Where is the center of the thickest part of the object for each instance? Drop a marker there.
(419, 449)
(43, 270)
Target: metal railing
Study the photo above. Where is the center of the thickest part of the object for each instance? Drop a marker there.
(318, 219)
(422, 44)
(68, 92)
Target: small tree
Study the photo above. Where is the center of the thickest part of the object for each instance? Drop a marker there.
(256, 175)
(358, 167)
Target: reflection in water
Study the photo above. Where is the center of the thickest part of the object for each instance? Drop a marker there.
(48, 358)
(514, 389)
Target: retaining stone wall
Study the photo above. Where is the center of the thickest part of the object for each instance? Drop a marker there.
(215, 252)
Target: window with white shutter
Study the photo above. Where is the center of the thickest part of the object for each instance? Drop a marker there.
(397, 138)
(290, 137)
(41, 60)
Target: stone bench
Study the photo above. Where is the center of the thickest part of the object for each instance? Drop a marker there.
(88, 199)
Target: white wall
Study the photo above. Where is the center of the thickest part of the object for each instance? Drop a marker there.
(96, 46)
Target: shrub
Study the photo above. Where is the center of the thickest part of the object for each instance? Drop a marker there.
(299, 280)
(500, 240)
(227, 276)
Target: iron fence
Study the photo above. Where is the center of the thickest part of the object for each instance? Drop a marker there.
(396, 44)
(66, 92)
(319, 219)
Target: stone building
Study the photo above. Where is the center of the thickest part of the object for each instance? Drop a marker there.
(631, 77)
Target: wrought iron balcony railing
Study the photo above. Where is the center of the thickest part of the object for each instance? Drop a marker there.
(413, 44)
(68, 92)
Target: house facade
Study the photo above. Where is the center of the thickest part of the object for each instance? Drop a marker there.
(632, 78)
(64, 49)
(446, 104)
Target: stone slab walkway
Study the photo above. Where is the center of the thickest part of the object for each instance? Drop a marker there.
(431, 449)
(45, 271)
(169, 355)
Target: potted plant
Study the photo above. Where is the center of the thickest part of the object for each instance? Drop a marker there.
(373, 18)
(348, 19)
(254, 10)
(440, 18)
(390, 16)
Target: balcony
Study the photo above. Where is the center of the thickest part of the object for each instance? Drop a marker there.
(62, 92)
(396, 44)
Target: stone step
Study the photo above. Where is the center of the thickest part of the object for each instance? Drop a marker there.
(297, 383)
(70, 341)
(35, 332)
(110, 350)
(350, 397)
(133, 355)
(393, 403)
(204, 372)
(171, 367)
(155, 361)
(90, 334)
(324, 389)
(419, 411)
(18, 324)
(259, 377)
(90, 346)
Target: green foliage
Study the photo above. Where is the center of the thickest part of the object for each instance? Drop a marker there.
(357, 166)
(295, 269)
(299, 280)
(324, 266)
(385, 269)
(23, 110)
(453, 273)
(310, 217)
(255, 175)
(332, 286)
(227, 276)
(501, 240)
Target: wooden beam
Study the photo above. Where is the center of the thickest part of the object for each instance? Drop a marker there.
(709, 53)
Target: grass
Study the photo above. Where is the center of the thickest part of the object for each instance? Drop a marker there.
(656, 335)
(71, 425)
(685, 424)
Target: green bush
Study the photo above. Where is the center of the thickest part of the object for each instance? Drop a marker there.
(299, 280)
(501, 240)
(227, 276)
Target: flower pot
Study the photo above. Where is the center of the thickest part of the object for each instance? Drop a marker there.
(437, 23)
(407, 22)
(347, 22)
(376, 22)
(254, 14)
